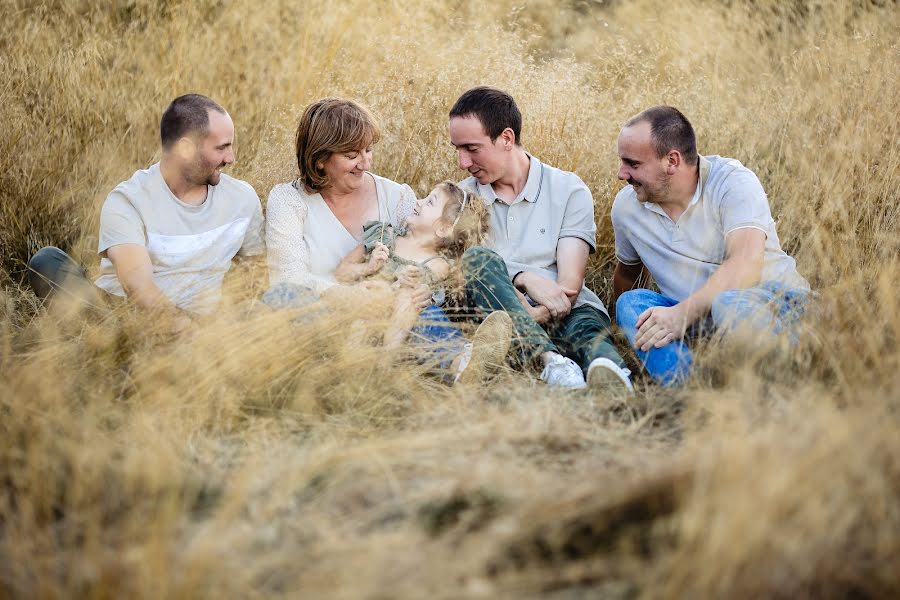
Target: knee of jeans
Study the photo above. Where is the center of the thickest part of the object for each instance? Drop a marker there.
(724, 305)
(42, 260)
(478, 253)
(631, 304)
(476, 257)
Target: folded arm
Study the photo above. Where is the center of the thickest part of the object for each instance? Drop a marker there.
(558, 296)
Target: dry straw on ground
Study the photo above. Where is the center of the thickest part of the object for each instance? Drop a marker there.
(265, 458)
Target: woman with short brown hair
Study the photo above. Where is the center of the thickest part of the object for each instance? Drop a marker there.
(313, 222)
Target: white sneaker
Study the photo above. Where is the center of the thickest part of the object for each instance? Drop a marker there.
(487, 352)
(563, 372)
(605, 374)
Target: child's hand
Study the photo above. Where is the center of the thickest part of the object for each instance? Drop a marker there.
(409, 276)
(378, 257)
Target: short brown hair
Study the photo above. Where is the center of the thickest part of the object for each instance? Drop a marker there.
(495, 109)
(327, 126)
(669, 130)
(471, 221)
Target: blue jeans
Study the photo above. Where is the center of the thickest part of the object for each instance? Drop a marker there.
(771, 307)
(436, 336)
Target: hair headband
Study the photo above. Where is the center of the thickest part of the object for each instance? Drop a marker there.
(462, 208)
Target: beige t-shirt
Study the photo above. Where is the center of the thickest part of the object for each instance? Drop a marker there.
(190, 247)
(306, 241)
(554, 204)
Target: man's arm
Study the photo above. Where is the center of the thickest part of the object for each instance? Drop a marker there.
(558, 296)
(135, 273)
(627, 277)
(742, 268)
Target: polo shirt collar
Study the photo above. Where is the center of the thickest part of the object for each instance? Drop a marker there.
(529, 193)
(701, 181)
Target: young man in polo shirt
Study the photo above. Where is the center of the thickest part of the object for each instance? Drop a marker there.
(701, 226)
(543, 230)
(169, 233)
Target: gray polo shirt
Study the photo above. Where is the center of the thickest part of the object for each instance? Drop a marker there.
(553, 204)
(682, 255)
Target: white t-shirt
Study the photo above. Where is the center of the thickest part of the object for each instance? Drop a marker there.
(682, 255)
(190, 247)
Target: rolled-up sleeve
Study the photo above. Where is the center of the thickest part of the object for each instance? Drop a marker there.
(578, 220)
(744, 204)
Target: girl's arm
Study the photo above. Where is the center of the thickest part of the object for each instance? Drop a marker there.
(409, 303)
(355, 266)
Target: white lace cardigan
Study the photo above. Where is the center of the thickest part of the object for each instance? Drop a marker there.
(306, 242)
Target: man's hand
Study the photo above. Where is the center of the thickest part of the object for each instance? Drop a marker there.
(659, 325)
(539, 313)
(548, 293)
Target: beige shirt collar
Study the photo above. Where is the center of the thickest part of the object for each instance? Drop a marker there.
(529, 193)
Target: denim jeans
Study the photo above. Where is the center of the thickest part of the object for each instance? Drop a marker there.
(53, 273)
(582, 336)
(770, 307)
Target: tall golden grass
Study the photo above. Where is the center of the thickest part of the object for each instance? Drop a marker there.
(265, 457)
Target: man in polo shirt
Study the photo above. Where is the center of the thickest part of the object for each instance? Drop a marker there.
(542, 222)
(169, 233)
(701, 226)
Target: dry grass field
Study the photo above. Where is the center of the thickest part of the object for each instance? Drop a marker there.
(262, 458)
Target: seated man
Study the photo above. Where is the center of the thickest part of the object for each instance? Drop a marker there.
(168, 234)
(542, 228)
(701, 226)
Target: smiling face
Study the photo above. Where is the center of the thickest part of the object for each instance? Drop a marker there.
(345, 170)
(213, 151)
(640, 166)
(484, 159)
(427, 214)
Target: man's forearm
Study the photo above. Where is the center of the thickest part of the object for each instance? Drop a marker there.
(734, 273)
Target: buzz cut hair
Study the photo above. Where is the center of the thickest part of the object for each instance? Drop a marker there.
(186, 115)
(669, 130)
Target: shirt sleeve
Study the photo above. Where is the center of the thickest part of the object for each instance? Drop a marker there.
(288, 254)
(578, 220)
(744, 204)
(120, 223)
(254, 241)
(625, 252)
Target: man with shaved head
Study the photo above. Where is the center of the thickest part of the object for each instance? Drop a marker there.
(169, 233)
(702, 228)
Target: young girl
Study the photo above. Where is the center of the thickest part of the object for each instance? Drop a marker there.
(437, 230)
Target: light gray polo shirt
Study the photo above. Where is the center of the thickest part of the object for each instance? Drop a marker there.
(553, 204)
(682, 255)
(190, 247)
